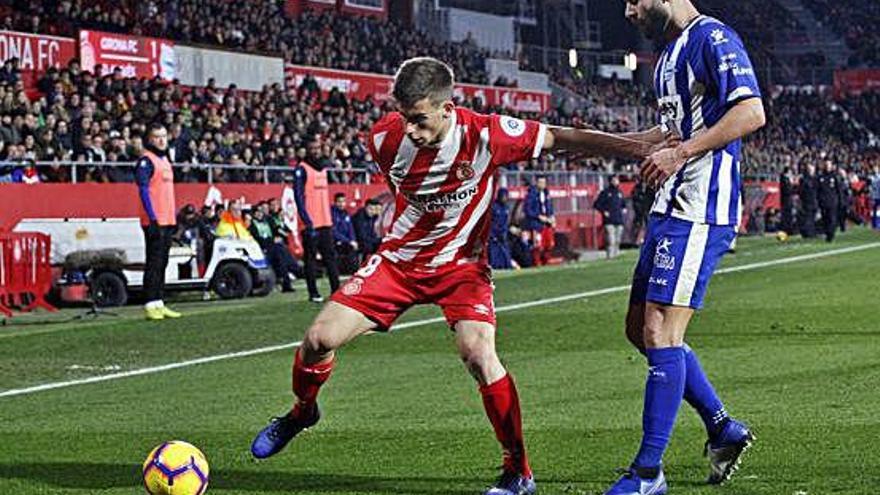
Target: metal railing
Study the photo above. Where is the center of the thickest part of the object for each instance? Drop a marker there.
(273, 174)
(199, 172)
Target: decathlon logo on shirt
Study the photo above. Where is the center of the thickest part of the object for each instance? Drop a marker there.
(513, 127)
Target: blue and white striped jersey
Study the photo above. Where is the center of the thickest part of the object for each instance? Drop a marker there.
(698, 77)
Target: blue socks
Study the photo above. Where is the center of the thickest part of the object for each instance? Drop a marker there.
(700, 394)
(664, 391)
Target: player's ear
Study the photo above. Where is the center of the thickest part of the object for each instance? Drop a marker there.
(448, 109)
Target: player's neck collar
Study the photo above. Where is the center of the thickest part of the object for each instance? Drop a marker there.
(677, 31)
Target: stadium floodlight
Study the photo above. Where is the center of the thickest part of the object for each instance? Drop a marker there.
(630, 61)
(573, 58)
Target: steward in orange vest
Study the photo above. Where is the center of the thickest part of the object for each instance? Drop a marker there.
(155, 181)
(312, 195)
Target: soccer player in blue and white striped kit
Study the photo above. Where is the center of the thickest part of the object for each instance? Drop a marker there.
(707, 95)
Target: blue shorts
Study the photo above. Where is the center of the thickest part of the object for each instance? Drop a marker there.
(677, 260)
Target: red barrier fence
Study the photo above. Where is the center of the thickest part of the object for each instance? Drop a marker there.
(25, 271)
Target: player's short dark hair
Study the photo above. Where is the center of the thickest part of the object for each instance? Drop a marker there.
(373, 202)
(155, 126)
(423, 77)
(338, 195)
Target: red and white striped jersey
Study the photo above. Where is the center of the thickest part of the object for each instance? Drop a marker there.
(443, 195)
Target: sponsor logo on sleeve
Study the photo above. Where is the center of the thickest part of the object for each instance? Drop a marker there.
(512, 127)
(718, 37)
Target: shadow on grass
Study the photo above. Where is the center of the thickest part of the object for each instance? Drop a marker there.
(96, 476)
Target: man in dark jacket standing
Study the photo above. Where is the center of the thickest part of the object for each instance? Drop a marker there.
(344, 236)
(809, 202)
(612, 205)
(787, 183)
(829, 199)
(540, 220)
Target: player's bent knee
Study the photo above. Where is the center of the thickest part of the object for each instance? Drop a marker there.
(655, 336)
(478, 355)
(318, 341)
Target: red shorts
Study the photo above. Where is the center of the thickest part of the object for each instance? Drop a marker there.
(382, 291)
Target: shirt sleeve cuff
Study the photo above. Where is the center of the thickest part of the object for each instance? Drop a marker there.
(539, 142)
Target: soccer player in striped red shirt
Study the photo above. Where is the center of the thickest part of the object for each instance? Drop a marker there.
(440, 162)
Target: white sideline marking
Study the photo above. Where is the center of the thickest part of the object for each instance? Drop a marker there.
(418, 323)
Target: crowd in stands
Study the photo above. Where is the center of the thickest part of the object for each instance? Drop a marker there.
(259, 26)
(82, 118)
(807, 127)
(863, 107)
(856, 21)
(90, 120)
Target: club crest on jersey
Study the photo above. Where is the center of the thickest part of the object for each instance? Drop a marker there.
(464, 170)
(512, 127)
(353, 287)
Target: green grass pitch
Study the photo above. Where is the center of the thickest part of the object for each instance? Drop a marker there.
(794, 349)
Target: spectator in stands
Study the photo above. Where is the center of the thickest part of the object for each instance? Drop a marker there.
(313, 205)
(156, 190)
(808, 193)
(613, 208)
(499, 248)
(366, 227)
(344, 236)
(829, 198)
(540, 220)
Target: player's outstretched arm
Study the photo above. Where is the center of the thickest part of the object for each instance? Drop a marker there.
(595, 143)
(742, 119)
(654, 135)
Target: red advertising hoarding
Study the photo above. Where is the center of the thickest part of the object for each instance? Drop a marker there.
(855, 81)
(137, 56)
(362, 85)
(36, 54)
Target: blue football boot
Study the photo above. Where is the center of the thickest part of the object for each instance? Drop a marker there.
(281, 430)
(633, 484)
(510, 483)
(726, 450)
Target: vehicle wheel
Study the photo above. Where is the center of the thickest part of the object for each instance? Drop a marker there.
(265, 285)
(232, 281)
(107, 289)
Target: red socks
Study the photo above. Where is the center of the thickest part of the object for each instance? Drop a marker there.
(502, 406)
(307, 380)
(500, 400)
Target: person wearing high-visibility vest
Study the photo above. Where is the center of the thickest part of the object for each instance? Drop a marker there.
(155, 181)
(312, 196)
